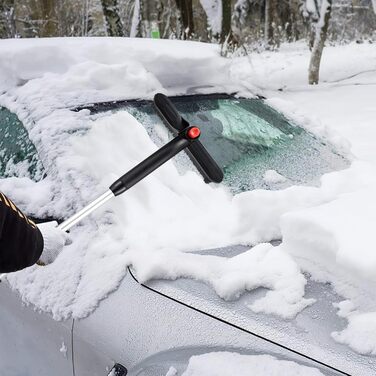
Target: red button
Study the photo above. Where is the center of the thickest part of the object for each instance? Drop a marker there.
(193, 132)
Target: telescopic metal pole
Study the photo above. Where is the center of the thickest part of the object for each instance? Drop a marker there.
(67, 224)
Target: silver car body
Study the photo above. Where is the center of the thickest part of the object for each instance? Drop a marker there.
(148, 328)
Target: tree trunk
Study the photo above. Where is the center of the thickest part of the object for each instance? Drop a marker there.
(48, 16)
(271, 19)
(7, 22)
(114, 26)
(226, 32)
(87, 20)
(136, 18)
(290, 20)
(186, 18)
(267, 27)
(320, 38)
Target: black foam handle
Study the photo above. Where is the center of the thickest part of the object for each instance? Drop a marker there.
(154, 161)
(200, 157)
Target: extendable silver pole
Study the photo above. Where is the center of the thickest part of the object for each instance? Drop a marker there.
(66, 225)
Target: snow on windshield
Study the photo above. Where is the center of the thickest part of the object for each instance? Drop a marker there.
(325, 230)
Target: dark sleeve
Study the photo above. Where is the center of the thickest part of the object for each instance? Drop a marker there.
(21, 242)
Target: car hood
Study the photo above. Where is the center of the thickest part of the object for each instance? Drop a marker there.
(309, 334)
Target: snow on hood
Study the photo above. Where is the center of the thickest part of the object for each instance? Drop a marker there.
(41, 79)
(228, 364)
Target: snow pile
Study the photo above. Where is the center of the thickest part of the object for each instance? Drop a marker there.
(336, 237)
(99, 67)
(229, 364)
(361, 330)
(262, 266)
(273, 177)
(333, 242)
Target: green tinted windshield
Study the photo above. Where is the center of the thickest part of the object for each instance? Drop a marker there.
(18, 156)
(255, 145)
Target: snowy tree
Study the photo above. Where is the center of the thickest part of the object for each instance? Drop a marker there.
(269, 21)
(84, 18)
(280, 21)
(291, 20)
(87, 18)
(113, 23)
(48, 15)
(268, 31)
(320, 13)
(213, 10)
(219, 14)
(226, 28)
(136, 18)
(186, 18)
(142, 18)
(37, 18)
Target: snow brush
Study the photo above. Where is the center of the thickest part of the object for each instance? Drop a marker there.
(186, 137)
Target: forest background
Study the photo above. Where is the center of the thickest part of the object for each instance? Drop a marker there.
(239, 26)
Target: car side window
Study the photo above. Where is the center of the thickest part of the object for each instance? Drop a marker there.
(18, 155)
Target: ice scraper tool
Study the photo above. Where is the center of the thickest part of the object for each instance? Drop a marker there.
(196, 151)
(186, 137)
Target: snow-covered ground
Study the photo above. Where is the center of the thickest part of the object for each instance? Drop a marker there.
(324, 230)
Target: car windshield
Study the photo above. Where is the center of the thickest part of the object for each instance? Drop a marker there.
(18, 156)
(256, 146)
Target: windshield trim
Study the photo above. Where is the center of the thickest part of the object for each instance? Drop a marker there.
(98, 107)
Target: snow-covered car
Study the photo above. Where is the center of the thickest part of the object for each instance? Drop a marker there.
(177, 277)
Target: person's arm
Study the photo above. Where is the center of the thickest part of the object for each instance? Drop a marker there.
(21, 242)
